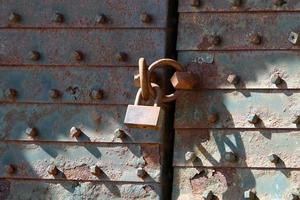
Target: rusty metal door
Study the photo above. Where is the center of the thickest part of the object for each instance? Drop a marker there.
(237, 133)
(66, 77)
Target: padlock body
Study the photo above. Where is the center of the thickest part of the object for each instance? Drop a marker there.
(147, 117)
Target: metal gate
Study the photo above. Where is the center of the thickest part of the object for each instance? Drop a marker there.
(237, 133)
(66, 77)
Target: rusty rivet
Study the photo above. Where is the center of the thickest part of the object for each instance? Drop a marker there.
(273, 158)
(58, 18)
(121, 56)
(255, 38)
(145, 18)
(230, 157)
(249, 195)
(195, 3)
(294, 38)
(233, 79)
(190, 156)
(75, 132)
(52, 169)
(14, 17)
(276, 79)
(54, 93)
(11, 93)
(215, 40)
(253, 118)
(95, 170)
(34, 55)
(140, 172)
(208, 195)
(101, 19)
(31, 132)
(119, 133)
(97, 94)
(293, 197)
(213, 118)
(10, 169)
(296, 119)
(235, 3)
(78, 55)
(279, 2)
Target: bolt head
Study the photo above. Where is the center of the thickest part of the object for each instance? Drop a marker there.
(101, 19)
(119, 133)
(145, 18)
(140, 172)
(14, 17)
(253, 119)
(31, 132)
(276, 79)
(78, 55)
(54, 94)
(121, 56)
(255, 39)
(235, 3)
(11, 93)
(10, 169)
(279, 2)
(213, 118)
(249, 195)
(294, 38)
(230, 157)
(190, 156)
(296, 119)
(215, 40)
(75, 132)
(97, 94)
(52, 169)
(95, 170)
(273, 158)
(233, 79)
(58, 18)
(208, 195)
(195, 3)
(34, 55)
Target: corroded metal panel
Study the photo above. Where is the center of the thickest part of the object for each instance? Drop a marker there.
(117, 162)
(53, 122)
(98, 47)
(225, 183)
(233, 109)
(251, 148)
(84, 13)
(253, 68)
(61, 190)
(236, 31)
(245, 6)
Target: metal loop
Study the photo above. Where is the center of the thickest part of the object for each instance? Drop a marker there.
(143, 72)
(158, 95)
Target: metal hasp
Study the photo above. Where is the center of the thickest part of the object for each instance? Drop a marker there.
(237, 131)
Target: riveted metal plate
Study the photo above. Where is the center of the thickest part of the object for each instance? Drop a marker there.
(252, 148)
(74, 84)
(53, 123)
(118, 162)
(191, 183)
(83, 13)
(60, 190)
(57, 46)
(274, 108)
(235, 30)
(246, 6)
(254, 69)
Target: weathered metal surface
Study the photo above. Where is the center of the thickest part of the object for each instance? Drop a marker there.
(98, 123)
(117, 162)
(245, 6)
(99, 47)
(61, 190)
(233, 109)
(75, 85)
(84, 13)
(252, 148)
(204, 31)
(254, 69)
(191, 183)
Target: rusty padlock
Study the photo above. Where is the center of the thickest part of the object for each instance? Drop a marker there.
(146, 117)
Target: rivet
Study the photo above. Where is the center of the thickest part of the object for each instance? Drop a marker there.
(95, 170)
(58, 18)
(140, 172)
(78, 55)
(235, 3)
(34, 55)
(279, 2)
(31, 132)
(190, 156)
(294, 38)
(145, 18)
(14, 17)
(213, 118)
(75, 132)
(101, 19)
(293, 197)
(54, 93)
(249, 195)
(296, 119)
(10, 169)
(253, 119)
(208, 195)
(52, 169)
(11, 93)
(276, 79)
(215, 40)
(233, 79)
(121, 56)
(273, 158)
(195, 3)
(96, 94)
(230, 157)
(255, 38)
(119, 133)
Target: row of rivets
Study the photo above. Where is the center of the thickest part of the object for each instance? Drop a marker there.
(236, 3)
(59, 18)
(254, 38)
(276, 79)
(96, 94)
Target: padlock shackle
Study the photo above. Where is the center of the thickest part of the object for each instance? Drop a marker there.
(158, 95)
